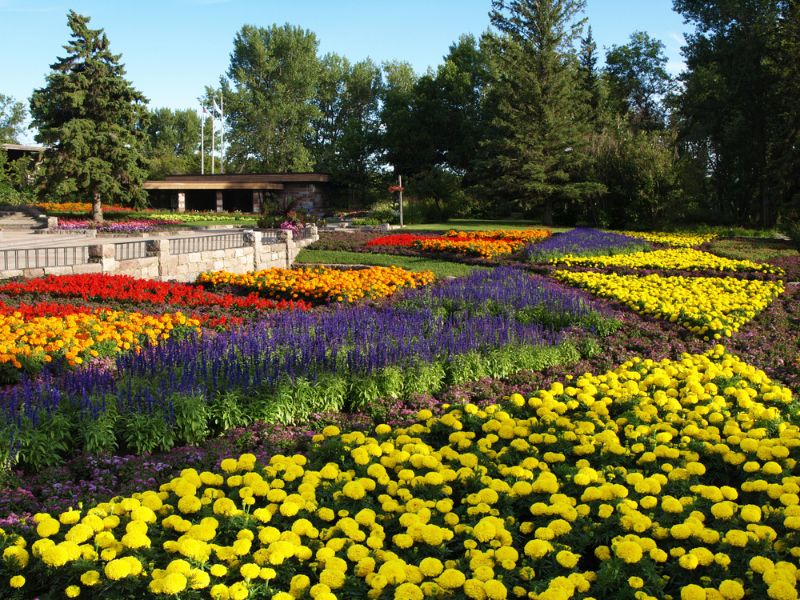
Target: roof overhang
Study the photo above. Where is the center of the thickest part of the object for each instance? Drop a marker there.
(211, 185)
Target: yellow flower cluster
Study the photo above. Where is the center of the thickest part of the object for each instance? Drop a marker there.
(79, 337)
(645, 478)
(677, 240)
(322, 284)
(707, 306)
(685, 259)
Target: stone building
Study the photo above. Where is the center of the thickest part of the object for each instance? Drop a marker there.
(242, 192)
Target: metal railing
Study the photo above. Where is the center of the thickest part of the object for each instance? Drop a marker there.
(41, 258)
(130, 250)
(207, 243)
(273, 236)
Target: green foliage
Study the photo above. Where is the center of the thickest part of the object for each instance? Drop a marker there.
(535, 151)
(738, 110)
(346, 133)
(173, 142)
(269, 91)
(191, 418)
(146, 432)
(92, 121)
(638, 80)
(641, 176)
(43, 443)
(12, 119)
(98, 431)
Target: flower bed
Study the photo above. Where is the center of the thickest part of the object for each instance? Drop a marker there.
(584, 241)
(400, 240)
(123, 288)
(30, 341)
(685, 259)
(488, 245)
(193, 217)
(118, 226)
(549, 496)
(676, 240)
(296, 364)
(707, 306)
(321, 284)
(80, 208)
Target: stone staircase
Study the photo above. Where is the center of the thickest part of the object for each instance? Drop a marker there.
(21, 219)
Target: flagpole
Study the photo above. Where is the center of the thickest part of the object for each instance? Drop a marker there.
(203, 142)
(222, 133)
(213, 135)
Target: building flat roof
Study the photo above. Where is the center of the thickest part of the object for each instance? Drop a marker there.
(236, 181)
(22, 148)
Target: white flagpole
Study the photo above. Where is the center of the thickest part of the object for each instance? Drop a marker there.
(221, 133)
(203, 142)
(213, 135)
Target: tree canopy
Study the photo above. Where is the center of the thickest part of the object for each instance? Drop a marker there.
(92, 122)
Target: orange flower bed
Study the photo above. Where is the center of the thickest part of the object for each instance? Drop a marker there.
(485, 244)
(322, 284)
(79, 208)
(80, 336)
(506, 235)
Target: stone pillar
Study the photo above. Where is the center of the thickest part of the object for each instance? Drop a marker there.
(160, 248)
(105, 255)
(181, 202)
(219, 201)
(257, 200)
(288, 245)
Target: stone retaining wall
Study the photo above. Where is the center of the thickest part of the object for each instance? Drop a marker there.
(160, 263)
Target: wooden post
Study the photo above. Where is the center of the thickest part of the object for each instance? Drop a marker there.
(181, 202)
(219, 201)
(257, 201)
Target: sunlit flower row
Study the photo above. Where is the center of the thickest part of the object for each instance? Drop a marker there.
(508, 235)
(677, 240)
(79, 208)
(321, 284)
(82, 336)
(685, 259)
(672, 479)
(707, 306)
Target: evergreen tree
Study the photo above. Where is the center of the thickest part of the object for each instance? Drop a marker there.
(589, 77)
(91, 120)
(536, 153)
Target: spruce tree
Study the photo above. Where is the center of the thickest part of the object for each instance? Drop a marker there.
(589, 77)
(91, 120)
(536, 152)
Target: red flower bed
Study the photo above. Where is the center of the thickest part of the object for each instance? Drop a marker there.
(399, 239)
(124, 288)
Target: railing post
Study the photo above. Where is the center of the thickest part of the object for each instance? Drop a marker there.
(253, 241)
(160, 248)
(288, 244)
(105, 254)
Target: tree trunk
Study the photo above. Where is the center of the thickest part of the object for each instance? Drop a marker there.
(97, 208)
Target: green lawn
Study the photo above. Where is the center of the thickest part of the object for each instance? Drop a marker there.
(441, 268)
(475, 224)
(757, 249)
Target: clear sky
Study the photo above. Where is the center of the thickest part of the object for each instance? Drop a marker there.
(173, 48)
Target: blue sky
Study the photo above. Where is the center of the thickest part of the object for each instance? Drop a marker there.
(173, 48)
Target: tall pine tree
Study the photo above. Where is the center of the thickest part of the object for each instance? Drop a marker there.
(91, 120)
(536, 152)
